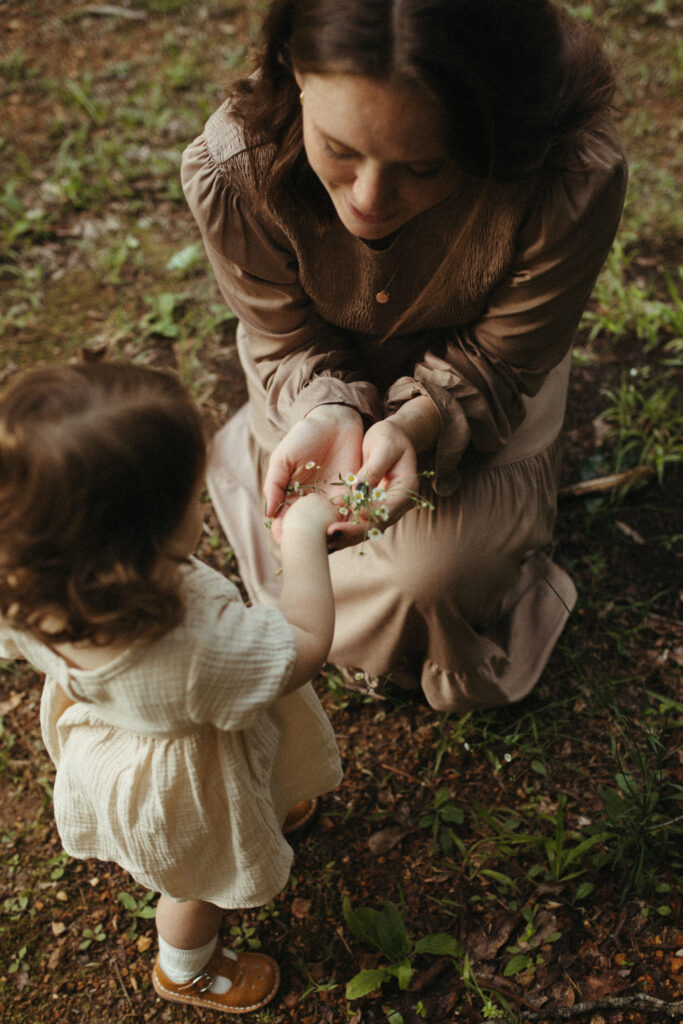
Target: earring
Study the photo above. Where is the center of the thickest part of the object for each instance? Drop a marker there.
(301, 96)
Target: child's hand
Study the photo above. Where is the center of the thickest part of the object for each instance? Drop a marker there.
(313, 512)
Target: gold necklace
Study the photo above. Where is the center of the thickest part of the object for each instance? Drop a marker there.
(382, 295)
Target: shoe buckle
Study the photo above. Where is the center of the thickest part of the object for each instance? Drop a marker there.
(201, 982)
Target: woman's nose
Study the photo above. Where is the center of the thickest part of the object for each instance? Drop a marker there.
(371, 188)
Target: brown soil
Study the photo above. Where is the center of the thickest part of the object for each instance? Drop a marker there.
(72, 951)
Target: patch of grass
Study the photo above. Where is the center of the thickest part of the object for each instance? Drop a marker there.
(622, 306)
(645, 419)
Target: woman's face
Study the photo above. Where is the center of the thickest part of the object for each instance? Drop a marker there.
(378, 148)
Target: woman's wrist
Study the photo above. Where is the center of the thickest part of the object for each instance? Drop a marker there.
(334, 414)
(420, 422)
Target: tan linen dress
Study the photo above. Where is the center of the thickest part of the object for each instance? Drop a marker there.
(463, 599)
(179, 759)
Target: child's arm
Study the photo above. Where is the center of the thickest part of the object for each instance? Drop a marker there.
(306, 598)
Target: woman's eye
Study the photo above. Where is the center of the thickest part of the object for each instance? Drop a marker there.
(426, 172)
(338, 154)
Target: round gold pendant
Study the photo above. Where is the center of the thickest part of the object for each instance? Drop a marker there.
(382, 297)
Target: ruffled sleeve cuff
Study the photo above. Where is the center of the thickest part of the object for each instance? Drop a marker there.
(359, 395)
(454, 430)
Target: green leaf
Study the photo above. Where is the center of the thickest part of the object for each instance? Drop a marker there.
(185, 258)
(439, 944)
(362, 922)
(127, 900)
(517, 964)
(364, 982)
(585, 889)
(584, 846)
(391, 933)
(498, 876)
(403, 972)
(454, 814)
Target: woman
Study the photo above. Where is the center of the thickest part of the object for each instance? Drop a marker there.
(407, 206)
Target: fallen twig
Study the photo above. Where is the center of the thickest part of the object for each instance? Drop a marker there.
(121, 982)
(399, 771)
(608, 483)
(640, 1002)
(105, 11)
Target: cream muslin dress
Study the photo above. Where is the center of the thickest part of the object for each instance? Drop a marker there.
(463, 600)
(179, 759)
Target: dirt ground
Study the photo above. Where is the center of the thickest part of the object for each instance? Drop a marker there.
(599, 932)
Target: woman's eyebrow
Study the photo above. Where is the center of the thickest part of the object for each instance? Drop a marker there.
(337, 142)
(424, 161)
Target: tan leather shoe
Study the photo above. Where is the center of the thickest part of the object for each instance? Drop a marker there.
(255, 979)
(300, 815)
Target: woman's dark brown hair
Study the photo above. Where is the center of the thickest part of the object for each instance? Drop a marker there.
(98, 463)
(517, 79)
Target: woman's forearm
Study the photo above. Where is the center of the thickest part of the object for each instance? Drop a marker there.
(419, 420)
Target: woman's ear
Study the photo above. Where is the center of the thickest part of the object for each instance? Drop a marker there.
(299, 79)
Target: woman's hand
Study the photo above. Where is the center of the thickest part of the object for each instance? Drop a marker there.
(319, 449)
(389, 461)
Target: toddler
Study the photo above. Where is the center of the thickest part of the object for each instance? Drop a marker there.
(181, 723)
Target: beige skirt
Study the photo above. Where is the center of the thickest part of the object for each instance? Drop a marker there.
(460, 600)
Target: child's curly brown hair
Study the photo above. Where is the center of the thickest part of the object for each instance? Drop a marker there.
(98, 463)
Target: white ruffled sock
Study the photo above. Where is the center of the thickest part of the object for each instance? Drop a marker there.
(180, 965)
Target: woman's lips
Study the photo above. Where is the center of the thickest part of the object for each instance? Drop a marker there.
(370, 218)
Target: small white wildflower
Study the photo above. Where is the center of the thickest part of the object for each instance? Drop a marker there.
(296, 487)
(344, 511)
(508, 758)
(378, 494)
(374, 532)
(383, 513)
(359, 676)
(466, 745)
(350, 479)
(310, 464)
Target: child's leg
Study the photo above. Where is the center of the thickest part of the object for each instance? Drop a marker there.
(187, 925)
(191, 968)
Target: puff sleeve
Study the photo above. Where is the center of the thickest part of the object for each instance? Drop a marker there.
(302, 362)
(477, 374)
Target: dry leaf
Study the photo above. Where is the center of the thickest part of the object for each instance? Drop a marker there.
(301, 908)
(387, 839)
(143, 943)
(14, 701)
(58, 928)
(481, 946)
(21, 980)
(55, 956)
